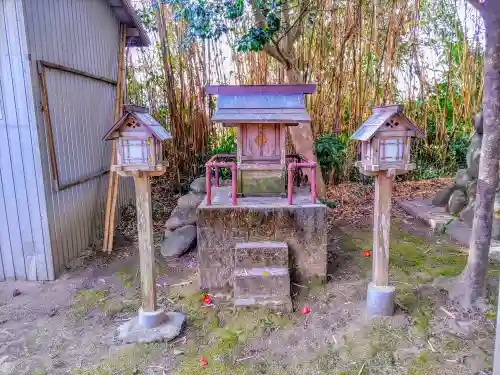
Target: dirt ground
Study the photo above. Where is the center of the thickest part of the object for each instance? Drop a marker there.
(68, 326)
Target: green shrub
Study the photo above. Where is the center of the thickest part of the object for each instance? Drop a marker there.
(331, 155)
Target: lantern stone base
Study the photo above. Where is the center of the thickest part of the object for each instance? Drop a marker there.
(290, 240)
(151, 327)
(380, 300)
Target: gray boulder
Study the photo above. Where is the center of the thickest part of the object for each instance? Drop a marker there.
(198, 185)
(443, 196)
(477, 122)
(467, 213)
(473, 156)
(495, 229)
(179, 241)
(180, 217)
(461, 179)
(190, 200)
(471, 190)
(457, 201)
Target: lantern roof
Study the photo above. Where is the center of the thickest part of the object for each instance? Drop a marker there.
(379, 117)
(142, 116)
(283, 104)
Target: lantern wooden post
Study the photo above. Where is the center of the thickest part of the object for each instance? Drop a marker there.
(382, 227)
(145, 234)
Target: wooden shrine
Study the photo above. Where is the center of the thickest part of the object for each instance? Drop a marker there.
(261, 114)
(384, 152)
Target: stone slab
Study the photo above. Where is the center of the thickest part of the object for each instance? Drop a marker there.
(271, 303)
(133, 332)
(435, 217)
(261, 254)
(456, 228)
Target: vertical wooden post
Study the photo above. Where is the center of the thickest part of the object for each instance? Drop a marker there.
(146, 250)
(382, 227)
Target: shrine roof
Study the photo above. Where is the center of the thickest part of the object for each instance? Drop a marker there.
(145, 119)
(261, 103)
(379, 117)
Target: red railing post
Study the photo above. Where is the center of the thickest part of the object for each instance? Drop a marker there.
(313, 183)
(217, 177)
(208, 185)
(233, 183)
(290, 182)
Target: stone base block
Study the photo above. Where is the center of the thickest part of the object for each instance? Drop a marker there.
(134, 331)
(302, 227)
(380, 300)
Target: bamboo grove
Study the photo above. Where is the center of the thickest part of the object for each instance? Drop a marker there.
(425, 54)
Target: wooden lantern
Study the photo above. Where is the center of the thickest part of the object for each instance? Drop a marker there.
(384, 152)
(385, 141)
(140, 141)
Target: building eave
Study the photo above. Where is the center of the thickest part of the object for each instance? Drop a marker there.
(136, 34)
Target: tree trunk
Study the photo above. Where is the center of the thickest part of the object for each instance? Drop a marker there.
(473, 278)
(303, 140)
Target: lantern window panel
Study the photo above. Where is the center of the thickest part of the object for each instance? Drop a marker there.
(368, 151)
(135, 151)
(392, 149)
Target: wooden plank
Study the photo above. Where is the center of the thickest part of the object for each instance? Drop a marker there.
(146, 251)
(382, 228)
(66, 69)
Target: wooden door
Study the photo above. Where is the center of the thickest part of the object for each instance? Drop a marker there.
(261, 142)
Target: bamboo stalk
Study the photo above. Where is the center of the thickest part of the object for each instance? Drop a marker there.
(109, 219)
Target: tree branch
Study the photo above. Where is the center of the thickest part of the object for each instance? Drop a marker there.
(271, 49)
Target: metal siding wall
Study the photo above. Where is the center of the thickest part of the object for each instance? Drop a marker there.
(84, 35)
(24, 239)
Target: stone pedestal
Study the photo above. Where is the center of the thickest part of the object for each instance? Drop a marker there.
(221, 227)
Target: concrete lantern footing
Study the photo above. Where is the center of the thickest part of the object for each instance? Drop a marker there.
(380, 300)
(152, 326)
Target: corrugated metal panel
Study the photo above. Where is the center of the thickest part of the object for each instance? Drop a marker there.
(24, 239)
(82, 35)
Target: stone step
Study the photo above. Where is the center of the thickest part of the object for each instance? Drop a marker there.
(261, 254)
(264, 286)
(261, 282)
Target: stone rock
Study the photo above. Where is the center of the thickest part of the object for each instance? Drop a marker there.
(467, 213)
(180, 241)
(472, 190)
(133, 332)
(190, 200)
(461, 179)
(457, 201)
(198, 185)
(443, 196)
(495, 229)
(477, 122)
(473, 156)
(167, 233)
(180, 217)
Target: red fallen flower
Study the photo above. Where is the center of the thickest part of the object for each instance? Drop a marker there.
(207, 300)
(305, 310)
(204, 361)
(367, 253)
